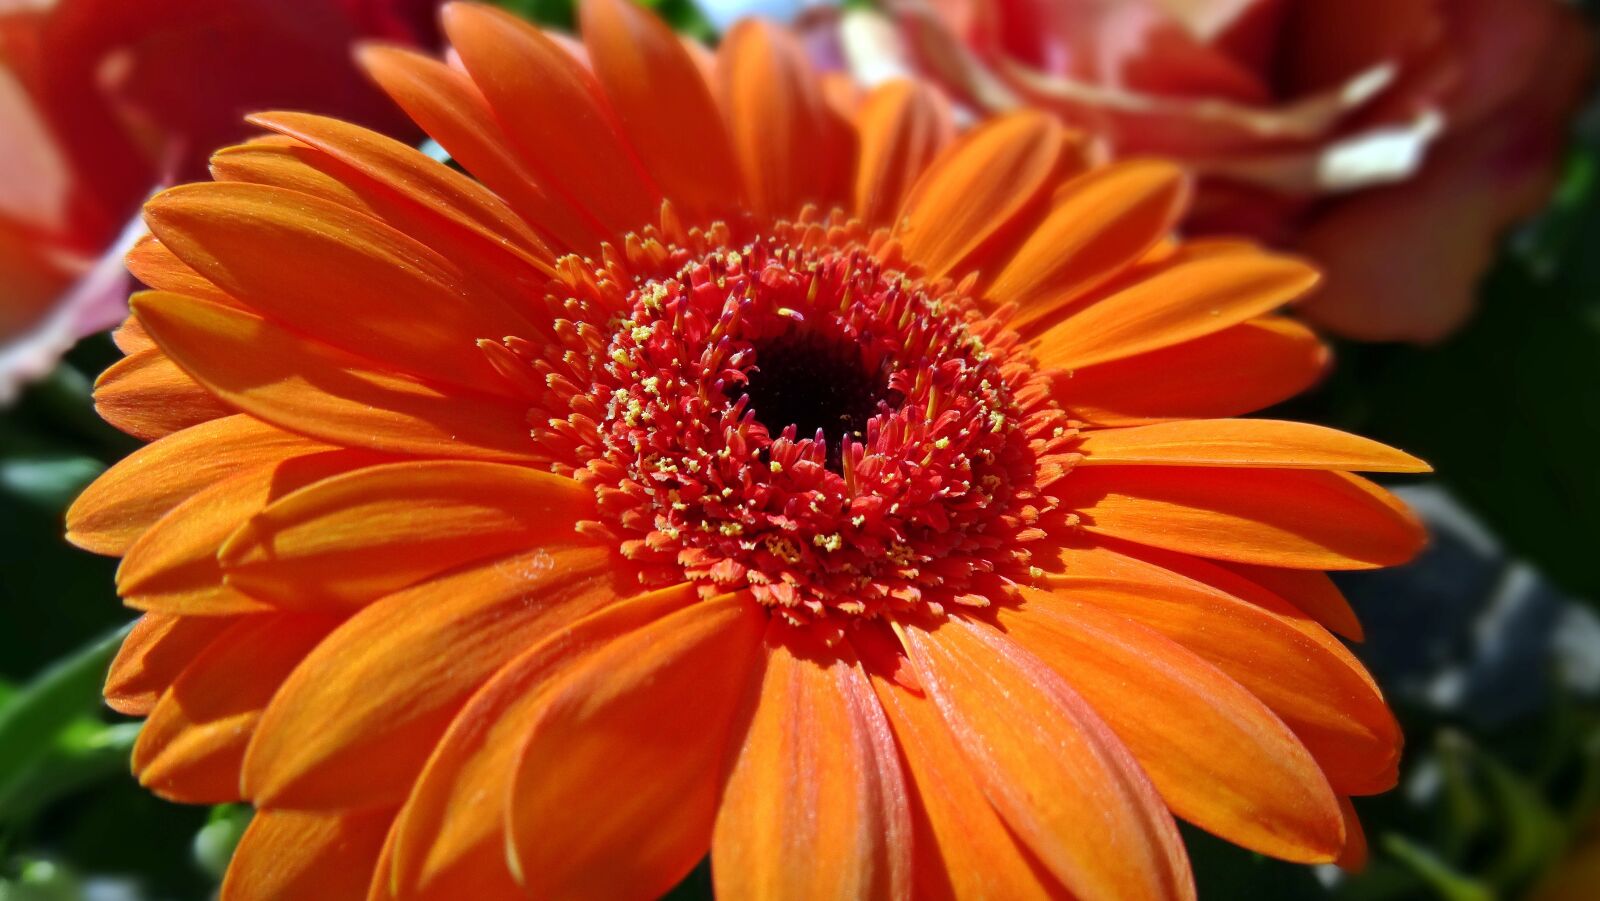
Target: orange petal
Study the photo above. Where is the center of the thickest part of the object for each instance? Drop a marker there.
(1220, 758)
(619, 776)
(1308, 679)
(815, 805)
(356, 283)
(130, 337)
(313, 389)
(553, 116)
(1309, 591)
(792, 146)
(154, 264)
(963, 848)
(148, 396)
(191, 746)
(1232, 372)
(1050, 765)
(497, 263)
(286, 854)
(972, 191)
(1299, 519)
(1354, 858)
(156, 651)
(343, 541)
(282, 162)
(451, 832)
(449, 107)
(663, 106)
(173, 566)
(903, 127)
(1190, 300)
(143, 487)
(1243, 443)
(1097, 226)
(355, 723)
(414, 178)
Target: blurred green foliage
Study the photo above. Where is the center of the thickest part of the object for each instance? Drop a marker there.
(1508, 411)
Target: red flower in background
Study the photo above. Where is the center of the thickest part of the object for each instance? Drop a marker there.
(104, 100)
(1391, 140)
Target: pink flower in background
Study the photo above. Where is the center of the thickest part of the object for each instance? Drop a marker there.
(103, 100)
(1391, 140)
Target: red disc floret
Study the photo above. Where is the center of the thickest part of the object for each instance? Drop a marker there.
(798, 417)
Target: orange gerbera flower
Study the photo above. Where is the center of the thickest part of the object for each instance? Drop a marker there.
(726, 472)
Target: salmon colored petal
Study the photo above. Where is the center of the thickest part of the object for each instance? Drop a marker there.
(149, 397)
(1354, 858)
(344, 541)
(1227, 579)
(281, 162)
(154, 264)
(792, 146)
(449, 107)
(451, 831)
(552, 113)
(154, 654)
(972, 191)
(1309, 591)
(173, 567)
(1263, 443)
(130, 337)
(1302, 673)
(355, 723)
(663, 105)
(1235, 371)
(903, 126)
(1299, 519)
(1098, 225)
(963, 848)
(289, 854)
(413, 177)
(815, 804)
(1190, 300)
(495, 262)
(316, 390)
(618, 780)
(1050, 765)
(131, 496)
(355, 283)
(1220, 758)
(191, 746)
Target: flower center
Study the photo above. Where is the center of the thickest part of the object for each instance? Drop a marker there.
(800, 417)
(816, 381)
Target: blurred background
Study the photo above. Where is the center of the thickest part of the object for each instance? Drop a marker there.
(1488, 646)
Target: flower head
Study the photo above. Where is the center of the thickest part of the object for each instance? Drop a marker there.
(726, 470)
(1326, 127)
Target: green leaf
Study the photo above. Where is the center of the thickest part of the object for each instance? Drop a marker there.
(1439, 876)
(41, 879)
(48, 483)
(35, 718)
(214, 843)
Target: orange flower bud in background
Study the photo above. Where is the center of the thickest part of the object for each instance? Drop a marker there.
(1392, 140)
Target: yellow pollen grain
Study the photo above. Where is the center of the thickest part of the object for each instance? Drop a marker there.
(830, 542)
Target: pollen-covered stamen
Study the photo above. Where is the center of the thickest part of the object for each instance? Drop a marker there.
(796, 417)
